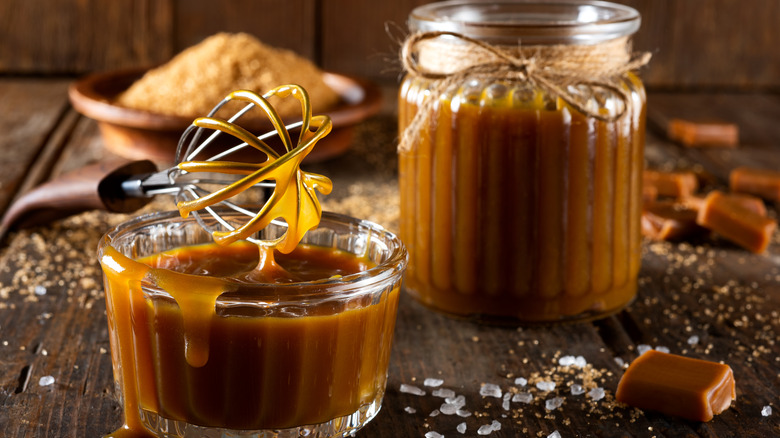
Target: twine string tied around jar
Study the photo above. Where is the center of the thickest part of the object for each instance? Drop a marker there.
(553, 69)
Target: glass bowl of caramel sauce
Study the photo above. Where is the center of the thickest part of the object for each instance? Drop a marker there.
(241, 340)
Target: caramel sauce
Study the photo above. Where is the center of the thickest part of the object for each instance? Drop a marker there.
(177, 356)
(527, 210)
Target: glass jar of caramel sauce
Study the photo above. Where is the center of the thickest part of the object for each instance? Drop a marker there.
(520, 163)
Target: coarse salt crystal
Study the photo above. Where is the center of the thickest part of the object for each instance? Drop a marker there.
(621, 363)
(434, 413)
(46, 381)
(411, 389)
(555, 434)
(523, 397)
(487, 429)
(459, 400)
(545, 386)
(448, 409)
(662, 349)
(40, 290)
(766, 411)
(410, 410)
(432, 434)
(577, 389)
(461, 427)
(490, 390)
(521, 381)
(505, 401)
(643, 348)
(596, 393)
(693, 340)
(553, 403)
(433, 382)
(567, 361)
(463, 413)
(443, 393)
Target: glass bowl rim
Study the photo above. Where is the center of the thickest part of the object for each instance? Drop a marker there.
(345, 287)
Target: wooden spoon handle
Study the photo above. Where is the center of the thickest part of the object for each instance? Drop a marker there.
(94, 187)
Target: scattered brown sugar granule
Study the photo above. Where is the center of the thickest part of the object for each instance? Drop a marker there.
(198, 78)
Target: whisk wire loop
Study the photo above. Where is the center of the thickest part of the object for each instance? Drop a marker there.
(293, 198)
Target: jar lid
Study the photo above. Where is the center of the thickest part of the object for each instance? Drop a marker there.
(530, 22)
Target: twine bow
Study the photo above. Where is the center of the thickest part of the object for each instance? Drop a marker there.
(552, 69)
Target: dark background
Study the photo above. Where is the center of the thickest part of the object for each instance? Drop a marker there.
(697, 44)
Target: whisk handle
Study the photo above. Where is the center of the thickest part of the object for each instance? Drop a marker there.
(94, 187)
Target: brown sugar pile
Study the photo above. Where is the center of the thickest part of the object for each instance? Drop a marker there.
(198, 78)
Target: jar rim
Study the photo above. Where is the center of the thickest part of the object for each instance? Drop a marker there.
(530, 22)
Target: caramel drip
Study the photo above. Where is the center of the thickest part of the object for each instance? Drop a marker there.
(294, 198)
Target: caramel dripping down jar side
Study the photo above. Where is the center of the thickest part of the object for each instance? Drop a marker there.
(515, 206)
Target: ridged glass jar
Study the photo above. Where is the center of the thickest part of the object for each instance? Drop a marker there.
(518, 204)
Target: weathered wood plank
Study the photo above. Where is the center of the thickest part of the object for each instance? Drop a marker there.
(31, 110)
(73, 36)
(290, 24)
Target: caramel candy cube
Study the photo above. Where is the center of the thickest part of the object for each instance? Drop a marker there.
(735, 222)
(675, 184)
(649, 194)
(669, 220)
(759, 182)
(676, 385)
(752, 203)
(703, 133)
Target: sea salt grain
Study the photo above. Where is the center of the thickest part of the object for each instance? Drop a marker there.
(433, 434)
(40, 290)
(555, 434)
(433, 382)
(553, 403)
(463, 413)
(411, 389)
(545, 386)
(521, 381)
(505, 402)
(621, 363)
(487, 429)
(490, 390)
(662, 349)
(693, 340)
(766, 411)
(596, 393)
(461, 428)
(46, 381)
(410, 410)
(443, 393)
(448, 409)
(577, 389)
(523, 397)
(643, 348)
(459, 400)
(567, 361)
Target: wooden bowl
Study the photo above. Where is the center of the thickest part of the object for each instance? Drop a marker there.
(137, 134)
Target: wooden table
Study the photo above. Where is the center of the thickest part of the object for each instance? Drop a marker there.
(708, 299)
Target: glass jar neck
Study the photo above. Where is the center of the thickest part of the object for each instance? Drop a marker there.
(528, 22)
